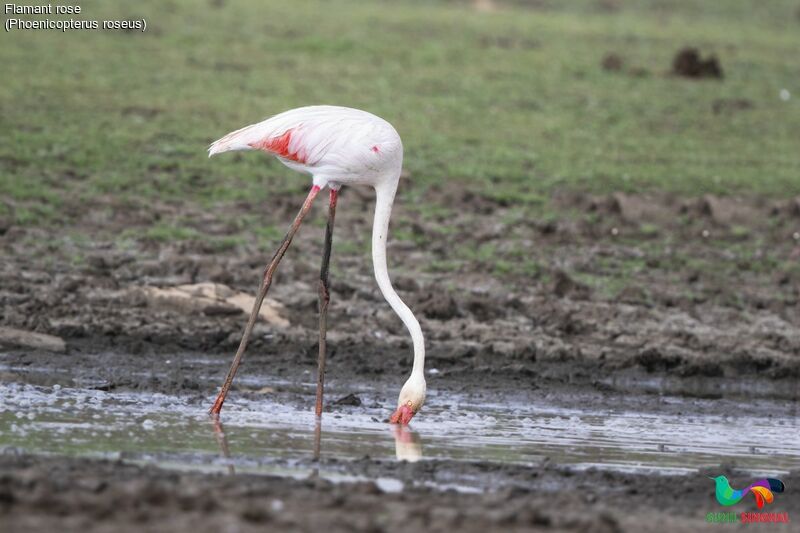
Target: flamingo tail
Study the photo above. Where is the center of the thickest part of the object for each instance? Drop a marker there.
(240, 139)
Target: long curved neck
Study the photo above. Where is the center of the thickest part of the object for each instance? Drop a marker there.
(384, 198)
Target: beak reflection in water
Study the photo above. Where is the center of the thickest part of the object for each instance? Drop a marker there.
(407, 444)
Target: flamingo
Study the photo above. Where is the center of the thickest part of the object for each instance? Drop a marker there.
(336, 146)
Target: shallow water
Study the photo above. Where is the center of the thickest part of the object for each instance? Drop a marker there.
(270, 436)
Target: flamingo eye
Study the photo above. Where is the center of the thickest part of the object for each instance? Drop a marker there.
(408, 403)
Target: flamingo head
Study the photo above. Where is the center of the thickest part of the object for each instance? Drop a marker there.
(410, 401)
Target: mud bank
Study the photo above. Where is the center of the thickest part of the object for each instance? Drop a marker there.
(617, 294)
(89, 495)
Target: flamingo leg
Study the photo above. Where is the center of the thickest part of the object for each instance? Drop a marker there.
(269, 271)
(324, 300)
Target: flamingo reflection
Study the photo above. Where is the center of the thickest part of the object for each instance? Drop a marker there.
(222, 442)
(407, 444)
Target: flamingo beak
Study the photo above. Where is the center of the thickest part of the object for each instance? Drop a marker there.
(402, 416)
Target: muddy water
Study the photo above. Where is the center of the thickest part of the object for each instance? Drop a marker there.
(267, 434)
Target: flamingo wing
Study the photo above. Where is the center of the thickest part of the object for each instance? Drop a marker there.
(301, 136)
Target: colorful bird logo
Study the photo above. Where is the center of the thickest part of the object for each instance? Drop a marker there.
(762, 489)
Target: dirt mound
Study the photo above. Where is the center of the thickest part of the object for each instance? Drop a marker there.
(351, 400)
(438, 306)
(32, 340)
(564, 286)
(690, 64)
(612, 62)
(725, 211)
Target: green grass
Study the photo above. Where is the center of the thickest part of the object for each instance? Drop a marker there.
(513, 104)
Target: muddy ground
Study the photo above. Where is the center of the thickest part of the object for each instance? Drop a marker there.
(47, 494)
(681, 287)
(693, 296)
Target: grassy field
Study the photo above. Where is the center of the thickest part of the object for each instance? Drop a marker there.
(512, 103)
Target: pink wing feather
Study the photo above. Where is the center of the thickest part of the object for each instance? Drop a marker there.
(279, 135)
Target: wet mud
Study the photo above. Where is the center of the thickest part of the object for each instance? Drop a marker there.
(629, 298)
(45, 493)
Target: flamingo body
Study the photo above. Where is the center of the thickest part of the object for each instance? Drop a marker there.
(338, 146)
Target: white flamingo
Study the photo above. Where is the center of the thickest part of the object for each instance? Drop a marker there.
(337, 146)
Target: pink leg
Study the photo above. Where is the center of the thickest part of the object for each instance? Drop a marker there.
(269, 271)
(324, 300)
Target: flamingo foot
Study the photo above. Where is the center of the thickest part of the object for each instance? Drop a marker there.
(217, 407)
